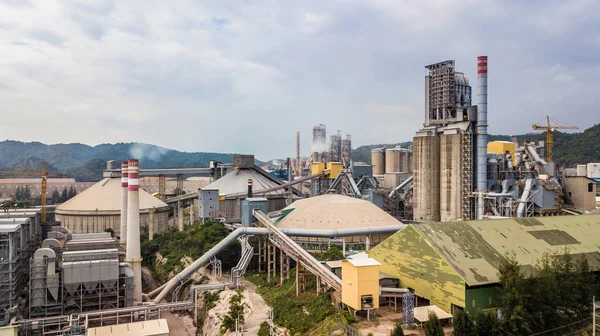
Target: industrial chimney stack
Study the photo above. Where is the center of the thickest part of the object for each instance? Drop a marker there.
(133, 255)
(124, 190)
(482, 79)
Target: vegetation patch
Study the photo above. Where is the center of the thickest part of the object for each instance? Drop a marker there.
(193, 242)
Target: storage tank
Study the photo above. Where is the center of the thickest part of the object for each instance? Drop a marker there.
(378, 161)
(392, 160)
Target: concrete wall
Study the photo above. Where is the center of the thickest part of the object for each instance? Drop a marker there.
(426, 178)
(579, 188)
(450, 177)
(98, 223)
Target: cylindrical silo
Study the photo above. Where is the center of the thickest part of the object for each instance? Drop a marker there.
(410, 163)
(378, 161)
(403, 160)
(426, 178)
(392, 160)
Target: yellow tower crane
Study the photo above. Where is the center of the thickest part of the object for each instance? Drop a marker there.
(550, 135)
(43, 174)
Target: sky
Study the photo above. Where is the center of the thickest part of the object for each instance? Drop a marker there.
(244, 76)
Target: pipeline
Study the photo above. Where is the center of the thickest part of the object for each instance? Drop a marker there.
(203, 260)
(398, 188)
(524, 197)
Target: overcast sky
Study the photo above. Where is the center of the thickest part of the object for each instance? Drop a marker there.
(244, 76)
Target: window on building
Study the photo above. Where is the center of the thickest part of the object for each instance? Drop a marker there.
(473, 303)
(490, 301)
(590, 187)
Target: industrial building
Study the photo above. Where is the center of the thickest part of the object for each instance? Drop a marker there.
(74, 273)
(455, 264)
(8, 187)
(20, 233)
(233, 188)
(336, 212)
(99, 208)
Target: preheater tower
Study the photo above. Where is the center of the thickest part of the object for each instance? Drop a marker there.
(133, 255)
(124, 191)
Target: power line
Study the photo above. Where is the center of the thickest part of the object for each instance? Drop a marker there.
(566, 325)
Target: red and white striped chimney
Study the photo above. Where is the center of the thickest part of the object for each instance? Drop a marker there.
(133, 255)
(124, 190)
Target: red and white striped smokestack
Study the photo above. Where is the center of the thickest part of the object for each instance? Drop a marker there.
(133, 255)
(482, 85)
(124, 190)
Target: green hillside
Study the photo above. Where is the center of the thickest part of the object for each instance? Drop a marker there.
(85, 163)
(569, 148)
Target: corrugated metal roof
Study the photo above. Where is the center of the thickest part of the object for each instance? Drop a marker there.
(236, 181)
(333, 211)
(144, 328)
(106, 196)
(475, 248)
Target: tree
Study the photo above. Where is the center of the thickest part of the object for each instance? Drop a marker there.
(397, 331)
(64, 196)
(18, 195)
(72, 192)
(511, 279)
(487, 324)
(26, 193)
(433, 326)
(463, 323)
(55, 198)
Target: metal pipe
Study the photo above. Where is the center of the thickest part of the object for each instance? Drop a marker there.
(336, 233)
(205, 259)
(133, 255)
(524, 197)
(407, 181)
(482, 78)
(124, 189)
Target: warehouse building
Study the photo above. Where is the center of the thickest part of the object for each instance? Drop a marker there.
(336, 212)
(99, 208)
(455, 264)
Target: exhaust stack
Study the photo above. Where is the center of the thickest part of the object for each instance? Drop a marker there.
(124, 190)
(133, 255)
(482, 84)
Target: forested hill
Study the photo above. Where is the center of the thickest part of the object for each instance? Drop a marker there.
(569, 148)
(85, 163)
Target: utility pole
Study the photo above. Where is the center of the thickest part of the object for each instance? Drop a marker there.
(594, 316)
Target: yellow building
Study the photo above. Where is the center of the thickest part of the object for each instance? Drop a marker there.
(501, 147)
(360, 282)
(9, 331)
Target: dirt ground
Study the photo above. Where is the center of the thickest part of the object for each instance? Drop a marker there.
(179, 325)
(384, 322)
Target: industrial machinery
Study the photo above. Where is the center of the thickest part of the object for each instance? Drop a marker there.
(43, 174)
(550, 135)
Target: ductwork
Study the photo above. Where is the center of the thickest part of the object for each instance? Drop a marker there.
(51, 243)
(524, 197)
(48, 256)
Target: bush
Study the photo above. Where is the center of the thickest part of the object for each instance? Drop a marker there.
(433, 327)
(236, 312)
(265, 329)
(332, 253)
(397, 331)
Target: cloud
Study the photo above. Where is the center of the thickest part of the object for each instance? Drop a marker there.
(245, 76)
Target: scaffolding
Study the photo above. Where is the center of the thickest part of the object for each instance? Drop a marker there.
(468, 204)
(442, 93)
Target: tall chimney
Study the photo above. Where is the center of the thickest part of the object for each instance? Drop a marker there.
(133, 255)
(123, 231)
(482, 84)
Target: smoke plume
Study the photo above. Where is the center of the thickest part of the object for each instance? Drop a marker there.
(141, 151)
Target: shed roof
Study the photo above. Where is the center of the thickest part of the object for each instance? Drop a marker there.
(475, 248)
(422, 313)
(332, 211)
(144, 328)
(105, 196)
(236, 181)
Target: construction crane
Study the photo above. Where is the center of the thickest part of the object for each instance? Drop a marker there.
(43, 174)
(549, 134)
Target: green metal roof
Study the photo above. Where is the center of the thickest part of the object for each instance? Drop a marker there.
(475, 248)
